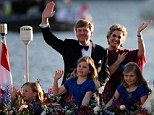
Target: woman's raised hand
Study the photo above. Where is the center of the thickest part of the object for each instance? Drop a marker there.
(144, 26)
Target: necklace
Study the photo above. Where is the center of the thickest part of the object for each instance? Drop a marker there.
(129, 95)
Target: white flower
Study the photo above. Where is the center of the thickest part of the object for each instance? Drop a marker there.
(96, 109)
(22, 107)
(69, 112)
(122, 107)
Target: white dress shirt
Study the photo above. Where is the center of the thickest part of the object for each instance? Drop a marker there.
(88, 52)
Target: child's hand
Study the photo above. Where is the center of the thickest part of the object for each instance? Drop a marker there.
(13, 92)
(58, 74)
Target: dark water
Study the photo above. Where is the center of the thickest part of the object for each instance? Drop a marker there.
(44, 61)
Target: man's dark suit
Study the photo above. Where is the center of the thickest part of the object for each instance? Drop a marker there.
(71, 52)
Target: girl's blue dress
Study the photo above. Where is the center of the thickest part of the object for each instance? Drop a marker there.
(78, 91)
(130, 99)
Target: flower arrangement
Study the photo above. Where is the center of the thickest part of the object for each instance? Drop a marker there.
(49, 98)
(13, 104)
(123, 111)
(84, 110)
(117, 107)
(5, 100)
(23, 110)
(70, 108)
(51, 106)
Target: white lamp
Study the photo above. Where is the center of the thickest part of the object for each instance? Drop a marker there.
(26, 35)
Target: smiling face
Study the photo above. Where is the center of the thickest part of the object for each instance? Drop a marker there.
(84, 35)
(28, 93)
(83, 69)
(84, 31)
(115, 40)
(116, 36)
(130, 78)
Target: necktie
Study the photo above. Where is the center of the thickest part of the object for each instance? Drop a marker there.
(84, 47)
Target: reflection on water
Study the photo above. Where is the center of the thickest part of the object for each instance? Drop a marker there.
(44, 61)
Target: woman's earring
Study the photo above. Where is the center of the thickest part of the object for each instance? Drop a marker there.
(120, 45)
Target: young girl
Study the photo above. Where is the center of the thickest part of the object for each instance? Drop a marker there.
(32, 90)
(32, 95)
(134, 90)
(81, 85)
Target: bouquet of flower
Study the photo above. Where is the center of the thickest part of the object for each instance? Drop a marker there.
(5, 100)
(85, 110)
(23, 110)
(49, 98)
(71, 107)
(123, 111)
(119, 108)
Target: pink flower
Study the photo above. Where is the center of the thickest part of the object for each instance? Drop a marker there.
(50, 90)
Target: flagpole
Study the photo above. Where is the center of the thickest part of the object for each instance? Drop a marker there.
(26, 36)
(3, 38)
(27, 62)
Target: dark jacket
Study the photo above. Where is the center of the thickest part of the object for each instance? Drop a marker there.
(71, 52)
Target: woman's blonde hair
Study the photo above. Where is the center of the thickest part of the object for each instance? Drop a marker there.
(116, 27)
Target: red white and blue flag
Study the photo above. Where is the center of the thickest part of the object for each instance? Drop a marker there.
(5, 71)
